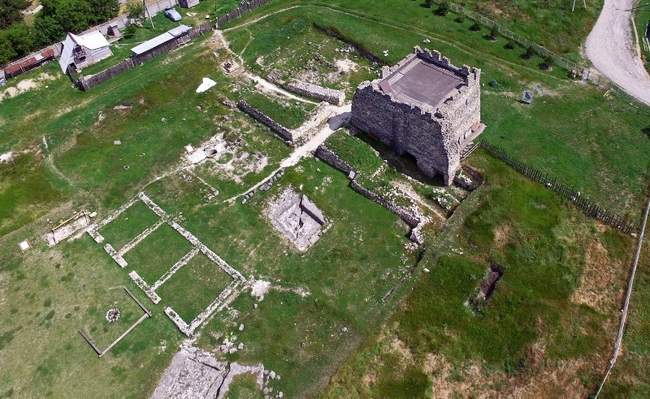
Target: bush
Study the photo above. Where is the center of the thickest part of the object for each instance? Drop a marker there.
(460, 19)
(443, 9)
(475, 27)
(493, 33)
(530, 52)
(510, 45)
(547, 63)
(135, 10)
(428, 3)
(130, 30)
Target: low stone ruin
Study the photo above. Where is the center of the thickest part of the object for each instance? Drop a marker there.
(112, 315)
(196, 374)
(297, 218)
(335, 97)
(69, 227)
(486, 287)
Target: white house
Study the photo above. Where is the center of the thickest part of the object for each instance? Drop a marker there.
(84, 50)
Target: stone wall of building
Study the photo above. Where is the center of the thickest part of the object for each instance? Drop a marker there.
(329, 157)
(434, 136)
(335, 97)
(267, 121)
(408, 218)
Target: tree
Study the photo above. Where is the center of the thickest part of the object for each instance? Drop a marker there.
(494, 31)
(135, 10)
(46, 31)
(103, 10)
(20, 36)
(530, 52)
(7, 52)
(443, 9)
(10, 11)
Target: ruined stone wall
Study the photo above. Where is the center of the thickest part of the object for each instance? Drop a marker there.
(411, 220)
(266, 120)
(335, 97)
(329, 157)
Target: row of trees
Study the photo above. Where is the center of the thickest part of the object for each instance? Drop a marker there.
(50, 25)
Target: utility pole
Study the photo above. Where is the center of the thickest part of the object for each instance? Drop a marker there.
(146, 11)
(573, 7)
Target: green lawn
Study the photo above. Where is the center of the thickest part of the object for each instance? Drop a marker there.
(136, 219)
(194, 287)
(541, 244)
(157, 253)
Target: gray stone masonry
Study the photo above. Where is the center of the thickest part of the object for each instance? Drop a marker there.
(266, 120)
(423, 106)
(335, 97)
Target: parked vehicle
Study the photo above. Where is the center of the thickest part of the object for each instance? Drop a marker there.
(172, 14)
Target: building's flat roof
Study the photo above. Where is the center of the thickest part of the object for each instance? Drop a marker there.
(160, 39)
(419, 81)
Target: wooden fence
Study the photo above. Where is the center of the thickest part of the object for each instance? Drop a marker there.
(244, 8)
(587, 206)
(86, 83)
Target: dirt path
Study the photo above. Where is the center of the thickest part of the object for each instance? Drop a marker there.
(321, 131)
(612, 48)
(477, 53)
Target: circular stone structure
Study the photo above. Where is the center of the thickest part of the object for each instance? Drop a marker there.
(112, 315)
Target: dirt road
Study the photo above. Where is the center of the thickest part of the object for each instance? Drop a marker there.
(612, 48)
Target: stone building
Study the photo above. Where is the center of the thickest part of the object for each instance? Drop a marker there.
(425, 107)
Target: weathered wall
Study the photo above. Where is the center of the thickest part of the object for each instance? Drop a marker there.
(408, 218)
(329, 157)
(266, 120)
(335, 97)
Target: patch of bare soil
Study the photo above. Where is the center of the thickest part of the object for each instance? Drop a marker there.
(449, 382)
(26, 85)
(598, 288)
(502, 235)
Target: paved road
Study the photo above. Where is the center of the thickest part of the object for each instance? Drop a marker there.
(612, 48)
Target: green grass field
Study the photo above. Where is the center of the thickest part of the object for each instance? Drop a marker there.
(357, 315)
(157, 253)
(136, 219)
(540, 304)
(194, 287)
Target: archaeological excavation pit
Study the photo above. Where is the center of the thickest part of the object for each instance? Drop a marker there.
(486, 288)
(297, 218)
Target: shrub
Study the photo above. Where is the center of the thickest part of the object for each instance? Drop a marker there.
(428, 3)
(135, 9)
(475, 27)
(130, 30)
(460, 19)
(546, 64)
(443, 9)
(510, 45)
(494, 31)
(530, 52)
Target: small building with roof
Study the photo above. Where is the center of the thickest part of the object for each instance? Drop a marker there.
(83, 50)
(424, 107)
(160, 41)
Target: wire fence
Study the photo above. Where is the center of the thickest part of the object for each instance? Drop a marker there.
(587, 206)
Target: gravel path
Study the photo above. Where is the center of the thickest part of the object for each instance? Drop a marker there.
(612, 48)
